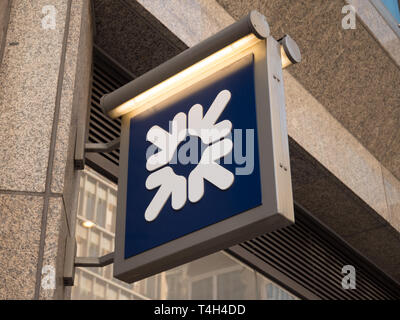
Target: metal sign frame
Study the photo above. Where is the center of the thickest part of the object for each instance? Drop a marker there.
(276, 210)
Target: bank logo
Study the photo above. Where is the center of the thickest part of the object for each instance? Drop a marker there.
(212, 134)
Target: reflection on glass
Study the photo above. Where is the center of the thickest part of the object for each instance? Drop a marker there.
(175, 285)
(233, 285)
(94, 243)
(111, 211)
(82, 240)
(202, 289)
(90, 190)
(85, 286)
(99, 289)
(271, 291)
(217, 276)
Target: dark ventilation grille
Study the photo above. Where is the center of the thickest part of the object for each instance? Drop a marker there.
(107, 77)
(313, 256)
(306, 254)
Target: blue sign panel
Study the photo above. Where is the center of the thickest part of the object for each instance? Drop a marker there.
(193, 163)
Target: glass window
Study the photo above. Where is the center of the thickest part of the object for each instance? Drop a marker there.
(112, 293)
(217, 276)
(111, 210)
(106, 244)
(123, 284)
(101, 210)
(232, 285)
(81, 240)
(124, 296)
(271, 291)
(81, 195)
(90, 188)
(108, 272)
(105, 248)
(99, 289)
(152, 287)
(276, 293)
(94, 243)
(202, 289)
(175, 286)
(86, 286)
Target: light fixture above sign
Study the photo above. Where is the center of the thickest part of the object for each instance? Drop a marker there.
(197, 61)
(225, 98)
(185, 78)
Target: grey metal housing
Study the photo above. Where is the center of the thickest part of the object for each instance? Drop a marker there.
(254, 23)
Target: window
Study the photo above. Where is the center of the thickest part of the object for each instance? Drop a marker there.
(217, 276)
(82, 240)
(101, 206)
(152, 287)
(90, 197)
(85, 285)
(94, 243)
(276, 293)
(175, 284)
(99, 289)
(233, 285)
(202, 289)
(111, 210)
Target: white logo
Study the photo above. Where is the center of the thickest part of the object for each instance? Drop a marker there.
(208, 168)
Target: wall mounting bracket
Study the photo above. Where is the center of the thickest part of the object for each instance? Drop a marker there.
(94, 261)
(72, 261)
(82, 148)
(102, 147)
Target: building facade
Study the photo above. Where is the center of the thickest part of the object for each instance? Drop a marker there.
(59, 57)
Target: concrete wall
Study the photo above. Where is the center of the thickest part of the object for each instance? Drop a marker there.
(4, 16)
(44, 80)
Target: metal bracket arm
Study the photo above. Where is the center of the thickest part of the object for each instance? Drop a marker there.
(92, 147)
(102, 147)
(71, 261)
(94, 261)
